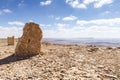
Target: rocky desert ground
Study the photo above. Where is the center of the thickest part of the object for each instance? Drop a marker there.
(61, 62)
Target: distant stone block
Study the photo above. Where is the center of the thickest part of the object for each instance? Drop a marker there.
(10, 40)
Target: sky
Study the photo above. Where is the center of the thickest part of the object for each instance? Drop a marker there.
(62, 18)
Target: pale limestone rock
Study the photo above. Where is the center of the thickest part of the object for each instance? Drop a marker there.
(10, 40)
(30, 42)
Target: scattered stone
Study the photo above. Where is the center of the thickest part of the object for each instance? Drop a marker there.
(118, 47)
(109, 76)
(74, 63)
(109, 48)
(30, 42)
(87, 75)
(93, 49)
(5, 51)
(100, 66)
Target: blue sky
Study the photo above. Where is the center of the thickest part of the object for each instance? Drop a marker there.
(62, 18)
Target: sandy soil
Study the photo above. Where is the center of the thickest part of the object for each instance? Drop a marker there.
(61, 62)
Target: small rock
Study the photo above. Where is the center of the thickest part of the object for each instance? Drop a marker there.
(109, 48)
(111, 76)
(100, 66)
(93, 49)
(5, 51)
(87, 75)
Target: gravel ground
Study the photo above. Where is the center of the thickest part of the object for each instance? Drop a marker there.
(62, 62)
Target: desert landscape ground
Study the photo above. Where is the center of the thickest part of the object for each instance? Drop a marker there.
(61, 62)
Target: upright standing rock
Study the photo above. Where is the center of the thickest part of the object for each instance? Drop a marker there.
(10, 40)
(30, 42)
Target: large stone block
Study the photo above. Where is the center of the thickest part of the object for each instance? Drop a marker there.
(10, 40)
(30, 42)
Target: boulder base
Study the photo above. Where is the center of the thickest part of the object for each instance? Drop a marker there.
(30, 42)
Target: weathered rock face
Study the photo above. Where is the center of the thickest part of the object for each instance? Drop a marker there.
(30, 42)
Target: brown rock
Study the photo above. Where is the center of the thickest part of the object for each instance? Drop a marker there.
(30, 42)
(10, 40)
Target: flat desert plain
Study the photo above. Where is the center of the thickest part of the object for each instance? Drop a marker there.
(61, 62)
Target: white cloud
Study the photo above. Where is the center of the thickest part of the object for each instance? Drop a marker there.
(5, 11)
(10, 31)
(104, 22)
(61, 26)
(16, 23)
(45, 25)
(85, 3)
(69, 18)
(78, 32)
(99, 28)
(57, 18)
(45, 3)
(74, 32)
(101, 32)
(31, 20)
(100, 3)
(76, 4)
(21, 3)
(105, 13)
